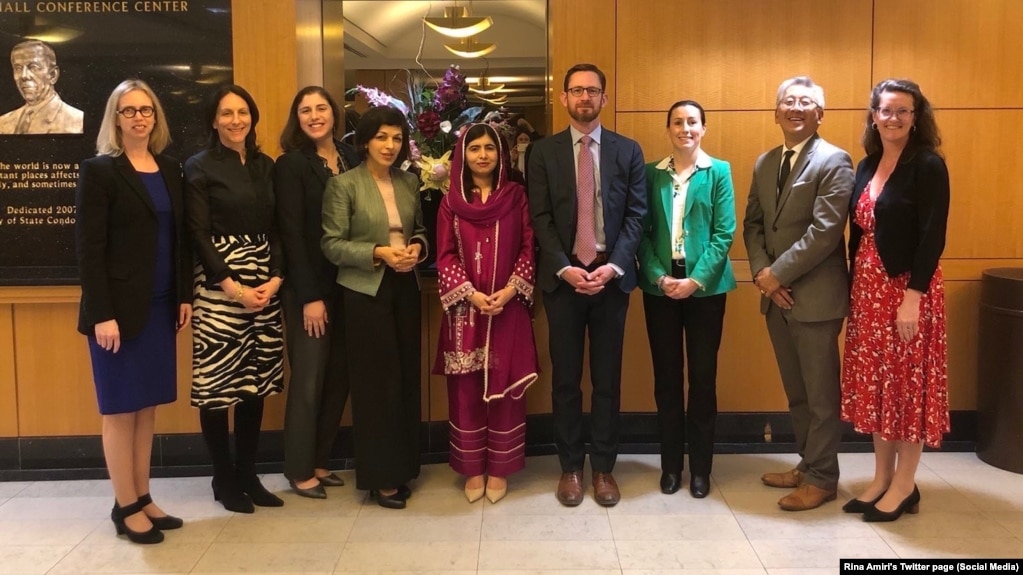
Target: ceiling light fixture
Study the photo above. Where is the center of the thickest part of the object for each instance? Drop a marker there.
(469, 48)
(456, 22)
(484, 87)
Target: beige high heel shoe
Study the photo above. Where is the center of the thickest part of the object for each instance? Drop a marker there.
(494, 495)
(474, 494)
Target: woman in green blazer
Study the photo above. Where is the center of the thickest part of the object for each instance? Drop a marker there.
(373, 231)
(684, 275)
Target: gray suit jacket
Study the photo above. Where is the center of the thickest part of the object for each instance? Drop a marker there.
(800, 232)
(355, 222)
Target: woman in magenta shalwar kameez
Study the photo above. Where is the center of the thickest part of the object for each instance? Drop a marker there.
(486, 350)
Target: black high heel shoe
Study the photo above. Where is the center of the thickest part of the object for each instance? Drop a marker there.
(392, 501)
(165, 523)
(909, 505)
(857, 506)
(232, 498)
(118, 515)
(260, 496)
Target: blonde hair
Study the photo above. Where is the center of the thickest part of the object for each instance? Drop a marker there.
(109, 141)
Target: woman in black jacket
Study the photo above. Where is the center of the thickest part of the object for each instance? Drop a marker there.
(318, 387)
(135, 266)
(894, 377)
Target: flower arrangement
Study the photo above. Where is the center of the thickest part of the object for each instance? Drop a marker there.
(435, 117)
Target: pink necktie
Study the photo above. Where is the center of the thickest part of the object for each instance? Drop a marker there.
(585, 236)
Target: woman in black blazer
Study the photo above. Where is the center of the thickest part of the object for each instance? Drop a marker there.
(134, 262)
(318, 387)
(894, 377)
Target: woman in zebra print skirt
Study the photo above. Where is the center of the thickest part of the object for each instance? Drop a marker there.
(237, 342)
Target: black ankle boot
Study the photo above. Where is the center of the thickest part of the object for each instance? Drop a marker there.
(249, 482)
(231, 496)
(118, 515)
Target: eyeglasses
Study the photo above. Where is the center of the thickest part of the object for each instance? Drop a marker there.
(801, 103)
(888, 113)
(578, 91)
(129, 112)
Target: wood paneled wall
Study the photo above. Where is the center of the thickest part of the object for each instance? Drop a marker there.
(730, 55)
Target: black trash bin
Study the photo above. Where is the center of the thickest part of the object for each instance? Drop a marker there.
(1000, 369)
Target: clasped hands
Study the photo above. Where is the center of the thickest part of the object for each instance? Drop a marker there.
(494, 303)
(399, 259)
(589, 283)
(676, 288)
(772, 288)
(254, 298)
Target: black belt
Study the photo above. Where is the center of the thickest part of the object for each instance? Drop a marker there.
(678, 269)
(599, 260)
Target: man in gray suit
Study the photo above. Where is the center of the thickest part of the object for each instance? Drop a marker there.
(795, 217)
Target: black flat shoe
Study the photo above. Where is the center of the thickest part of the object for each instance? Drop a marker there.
(699, 486)
(910, 504)
(670, 482)
(392, 501)
(856, 506)
(165, 523)
(315, 492)
(331, 480)
(260, 496)
(404, 492)
(231, 497)
(118, 515)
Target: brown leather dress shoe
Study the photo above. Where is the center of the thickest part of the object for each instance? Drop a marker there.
(789, 480)
(806, 497)
(605, 490)
(570, 488)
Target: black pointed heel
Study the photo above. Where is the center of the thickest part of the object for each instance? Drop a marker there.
(910, 504)
(165, 523)
(232, 498)
(118, 515)
(259, 495)
(392, 501)
(858, 506)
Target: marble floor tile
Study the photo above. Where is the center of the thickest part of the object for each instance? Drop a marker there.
(264, 528)
(401, 528)
(49, 531)
(823, 553)
(10, 489)
(125, 557)
(546, 528)
(921, 547)
(78, 488)
(427, 503)
(820, 523)
(688, 554)
(750, 571)
(30, 559)
(268, 557)
(675, 527)
(359, 556)
(19, 508)
(942, 525)
(1011, 520)
(541, 555)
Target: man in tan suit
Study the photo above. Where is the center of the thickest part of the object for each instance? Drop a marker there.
(36, 73)
(795, 218)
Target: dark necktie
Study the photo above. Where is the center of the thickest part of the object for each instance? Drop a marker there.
(786, 167)
(585, 235)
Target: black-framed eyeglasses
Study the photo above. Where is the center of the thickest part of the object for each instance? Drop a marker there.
(130, 111)
(578, 91)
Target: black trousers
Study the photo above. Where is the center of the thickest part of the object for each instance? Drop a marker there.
(384, 350)
(570, 317)
(318, 388)
(696, 321)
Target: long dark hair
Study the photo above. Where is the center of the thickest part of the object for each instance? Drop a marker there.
(693, 103)
(478, 131)
(213, 104)
(292, 137)
(924, 136)
(369, 125)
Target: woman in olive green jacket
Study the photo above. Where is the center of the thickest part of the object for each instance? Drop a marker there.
(684, 275)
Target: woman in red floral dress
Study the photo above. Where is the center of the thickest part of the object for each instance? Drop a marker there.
(894, 377)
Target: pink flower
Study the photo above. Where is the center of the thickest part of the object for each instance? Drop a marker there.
(428, 123)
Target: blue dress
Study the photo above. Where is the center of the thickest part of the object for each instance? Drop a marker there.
(144, 372)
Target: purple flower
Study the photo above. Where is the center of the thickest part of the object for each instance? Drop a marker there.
(452, 90)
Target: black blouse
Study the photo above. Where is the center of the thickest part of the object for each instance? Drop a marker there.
(224, 197)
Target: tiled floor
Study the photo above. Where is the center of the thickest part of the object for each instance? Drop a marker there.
(969, 509)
